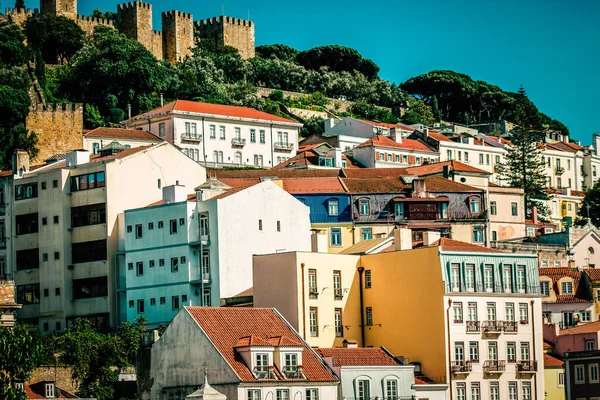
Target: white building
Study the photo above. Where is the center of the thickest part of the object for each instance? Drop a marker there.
(384, 152)
(591, 163)
(197, 249)
(248, 353)
(219, 135)
(102, 137)
(350, 132)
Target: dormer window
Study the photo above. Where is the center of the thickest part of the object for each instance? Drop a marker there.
(364, 207)
(333, 206)
(474, 205)
(261, 365)
(49, 390)
(567, 288)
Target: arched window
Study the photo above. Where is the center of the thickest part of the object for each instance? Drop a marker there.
(238, 157)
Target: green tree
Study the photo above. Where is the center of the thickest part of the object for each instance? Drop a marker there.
(337, 58)
(110, 15)
(590, 208)
(13, 51)
(21, 350)
(280, 51)
(57, 38)
(437, 117)
(91, 117)
(312, 126)
(524, 167)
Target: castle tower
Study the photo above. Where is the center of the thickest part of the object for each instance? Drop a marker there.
(177, 35)
(228, 31)
(66, 8)
(134, 20)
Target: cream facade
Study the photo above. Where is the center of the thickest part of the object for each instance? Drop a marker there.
(506, 213)
(484, 154)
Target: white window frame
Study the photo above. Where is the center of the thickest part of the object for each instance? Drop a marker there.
(593, 370)
(579, 372)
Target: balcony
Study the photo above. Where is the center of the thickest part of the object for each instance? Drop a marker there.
(460, 367)
(338, 294)
(313, 293)
(205, 239)
(206, 277)
(494, 366)
(191, 137)
(559, 170)
(238, 142)
(526, 367)
(473, 326)
(293, 372)
(283, 146)
(264, 373)
(491, 326)
(510, 326)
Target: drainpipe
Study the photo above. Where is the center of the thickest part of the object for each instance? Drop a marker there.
(204, 142)
(303, 303)
(201, 271)
(449, 347)
(362, 309)
(533, 348)
(272, 148)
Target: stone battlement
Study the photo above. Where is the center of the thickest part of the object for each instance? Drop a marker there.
(96, 21)
(178, 14)
(60, 107)
(133, 5)
(223, 20)
(157, 33)
(21, 11)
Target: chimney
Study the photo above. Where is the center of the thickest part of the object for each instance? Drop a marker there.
(174, 194)
(77, 157)
(402, 238)
(565, 139)
(425, 133)
(396, 135)
(534, 216)
(350, 344)
(596, 144)
(318, 242)
(20, 162)
(430, 237)
(336, 154)
(419, 188)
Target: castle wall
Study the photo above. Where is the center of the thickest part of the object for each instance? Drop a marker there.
(58, 128)
(87, 24)
(157, 44)
(178, 35)
(20, 15)
(66, 8)
(228, 31)
(134, 20)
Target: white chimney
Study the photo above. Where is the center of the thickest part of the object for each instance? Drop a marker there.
(318, 242)
(350, 344)
(402, 238)
(430, 237)
(77, 157)
(425, 133)
(396, 135)
(336, 154)
(174, 194)
(419, 188)
(20, 162)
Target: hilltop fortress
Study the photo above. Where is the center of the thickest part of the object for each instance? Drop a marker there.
(134, 20)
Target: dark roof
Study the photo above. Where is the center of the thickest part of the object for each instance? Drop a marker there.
(580, 293)
(456, 245)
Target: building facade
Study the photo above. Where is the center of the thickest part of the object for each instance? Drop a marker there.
(104, 138)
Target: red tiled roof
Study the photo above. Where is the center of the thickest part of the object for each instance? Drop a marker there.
(374, 172)
(407, 144)
(38, 391)
(190, 197)
(381, 185)
(313, 185)
(359, 356)
(245, 293)
(118, 133)
(252, 340)
(284, 341)
(552, 361)
(280, 173)
(455, 245)
(420, 381)
(589, 327)
(225, 326)
(214, 109)
(236, 183)
(529, 222)
(439, 136)
(438, 168)
(593, 273)
(579, 295)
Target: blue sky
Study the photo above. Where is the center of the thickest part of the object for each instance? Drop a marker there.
(551, 47)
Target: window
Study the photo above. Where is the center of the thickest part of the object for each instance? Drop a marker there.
(477, 234)
(183, 259)
(161, 262)
(511, 352)
(175, 303)
(44, 257)
(43, 185)
(455, 277)
(399, 210)
(312, 394)
(514, 209)
(163, 300)
(493, 351)
(525, 356)
(405, 159)
(262, 136)
(313, 321)
(173, 225)
(161, 129)
(470, 277)
(335, 237)
(57, 255)
(89, 215)
(139, 268)
(90, 287)
(26, 223)
(252, 135)
(491, 311)
(212, 131)
(523, 318)
(557, 263)
(333, 207)
(238, 157)
(138, 231)
(521, 279)
(493, 209)
(474, 205)
(44, 221)
(87, 181)
(367, 279)
(152, 301)
(205, 263)
(260, 224)
(253, 394)
(545, 288)
(488, 278)
(206, 297)
(339, 328)
(509, 310)
(391, 389)
(363, 207)
(459, 351)
(530, 232)
(278, 226)
(150, 226)
(337, 285)
(140, 306)
(312, 284)
(579, 374)
(366, 233)
(487, 159)
(567, 287)
(561, 379)
(507, 278)
(466, 156)
(472, 311)
(461, 391)
(593, 373)
(589, 345)
(475, 391)
(282, 394)
(26, 191)
(28, 294)
(49, 389)
(369, 313)
(480, 158)
(56, 219)
(221, 132)
(364, 390)
(474, 351)
(88, 251)
(494, 391)
(457, 311)
(174, 264)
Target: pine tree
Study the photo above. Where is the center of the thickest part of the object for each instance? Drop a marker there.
(436, 110)
(524, 167)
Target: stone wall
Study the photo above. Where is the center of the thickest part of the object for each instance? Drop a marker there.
(178, 35)
(7, 293)
(62, 376)
(157, 44)
(65, 8)
(135, 22)
(87, 24)
(228, 31)
(20, 15)
(58, 128)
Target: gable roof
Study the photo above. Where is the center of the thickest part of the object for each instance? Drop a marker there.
(455, 245)
(357, 356)
(589, 327)
(38, 391)
(551, 361)
(208, 109)
(369, 246)
(119, 133)
(580, 294)
(313, 185)
(407, 144)
(225, 327)
(593, 273)
(373, 172)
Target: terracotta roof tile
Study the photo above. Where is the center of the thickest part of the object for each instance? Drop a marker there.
(440, 137)
(252, 340)
(552, 361)
(381, 185)
(281, 173)
(593, 273)
(245, 293)
(236, 183)
(195, 107)
(118, 133)
(360, 356)
(438, 168)
(313, 185)
(284, 341)
(580, 294)
(225, 326)
(38, 391)
(407, 144)
(455, 245)
(374, 172)
(590, 327)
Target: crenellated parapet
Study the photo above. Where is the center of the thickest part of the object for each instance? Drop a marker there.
(20, 15)
(87, 24)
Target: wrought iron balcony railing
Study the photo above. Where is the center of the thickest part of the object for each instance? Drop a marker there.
(494, 366)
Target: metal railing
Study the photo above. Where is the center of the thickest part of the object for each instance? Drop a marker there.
(283, 146)
(191, 137)
(293, 372)
(338, 294)
(461, 367)
(238, 142)
(473, 326)
(559, 170)
(494, 366)
(313, 293)
(526, 366)
(510, 326)
(264, 373)
(491, 326)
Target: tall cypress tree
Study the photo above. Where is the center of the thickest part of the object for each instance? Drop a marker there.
(523, 166)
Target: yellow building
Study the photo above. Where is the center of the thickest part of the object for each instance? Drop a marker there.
(563, 206)
(554, 378)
